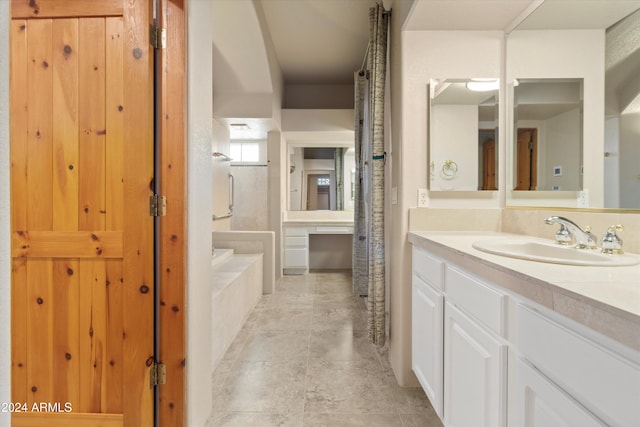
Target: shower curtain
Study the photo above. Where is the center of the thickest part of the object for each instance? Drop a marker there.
(368, 250)
(339, 168)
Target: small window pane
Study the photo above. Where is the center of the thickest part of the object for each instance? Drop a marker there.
(250, 152)
(236, 152)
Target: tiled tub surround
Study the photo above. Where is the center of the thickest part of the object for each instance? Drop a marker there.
(605, 299)
(237, 288)
(251, 242)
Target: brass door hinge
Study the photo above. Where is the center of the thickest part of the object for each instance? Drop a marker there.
(158, 375)
(157, 205)
(157, 37)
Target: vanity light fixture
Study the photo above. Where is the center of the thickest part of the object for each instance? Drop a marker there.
(483, 85)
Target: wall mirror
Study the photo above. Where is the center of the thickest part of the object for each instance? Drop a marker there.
(320, 177)
(599, 42)
(463, 134)
(548, 118)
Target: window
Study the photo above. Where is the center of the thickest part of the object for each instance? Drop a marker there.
(248, 152)
(324, 181)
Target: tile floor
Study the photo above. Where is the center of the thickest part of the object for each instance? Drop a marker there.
(303, 359)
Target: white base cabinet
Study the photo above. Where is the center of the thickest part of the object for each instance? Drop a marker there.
(474, 373)
(467, 331)
(537, 402)
(427, 315)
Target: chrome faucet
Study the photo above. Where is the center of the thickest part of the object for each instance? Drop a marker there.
(584, 239)
(611, 243)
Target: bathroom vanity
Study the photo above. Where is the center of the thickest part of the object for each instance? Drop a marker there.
(296, 241)
(498, 341)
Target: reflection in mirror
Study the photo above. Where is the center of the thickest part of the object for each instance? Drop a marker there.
(548, 134)
(610, 154)
(622, 111)
(463, 134)
(320, 178)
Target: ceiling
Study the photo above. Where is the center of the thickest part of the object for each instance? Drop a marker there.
(318, 41)
(324, 41)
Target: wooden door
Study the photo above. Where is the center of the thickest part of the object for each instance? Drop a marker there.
(527, 159)
(489, 165)
(82, 238)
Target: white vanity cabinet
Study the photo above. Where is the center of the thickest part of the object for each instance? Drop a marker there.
(475, 354)
(457, 358)
(296, 250)
(296, 247)
(427, 320)
(599, 376)
(534, 401)
(487, 356)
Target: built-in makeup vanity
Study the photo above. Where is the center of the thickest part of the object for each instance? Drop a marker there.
(498, 341)
(316, 239)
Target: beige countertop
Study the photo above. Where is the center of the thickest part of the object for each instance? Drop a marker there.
(606, 299)
(320, 223)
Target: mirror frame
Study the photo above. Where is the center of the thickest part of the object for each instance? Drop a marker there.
(314, 144)
(447, 169)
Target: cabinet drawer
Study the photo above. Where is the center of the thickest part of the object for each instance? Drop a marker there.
(290, 242)
(477, 299)
(605, 382)
(295, 258)
(295, 231)
(428, 268)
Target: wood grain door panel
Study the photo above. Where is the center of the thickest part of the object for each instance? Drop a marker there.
(82, 238)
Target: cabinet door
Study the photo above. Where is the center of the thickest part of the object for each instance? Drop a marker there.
(296, 258)
(474, 375)
(427, 332)
(536, 402)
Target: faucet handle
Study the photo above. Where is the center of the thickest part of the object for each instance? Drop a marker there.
(563, 237)
(592, 237)
(611, 242)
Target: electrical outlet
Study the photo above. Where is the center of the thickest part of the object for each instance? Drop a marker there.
(583, 199)
(422, 198)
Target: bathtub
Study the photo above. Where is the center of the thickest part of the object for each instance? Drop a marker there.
(237, 288)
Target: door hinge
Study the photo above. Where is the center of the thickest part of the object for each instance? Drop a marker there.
(157, 375)
(530, 145)
(157, 37)
(157, 205)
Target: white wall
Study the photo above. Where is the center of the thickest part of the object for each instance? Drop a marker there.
(199, 200)
(566, 54)
(561, 145)
(437, 55)
(417, 57)
(5, 222)
(629, 165)
(454, 137)
(612, 162)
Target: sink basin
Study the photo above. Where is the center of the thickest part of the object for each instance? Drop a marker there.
(546, 251)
